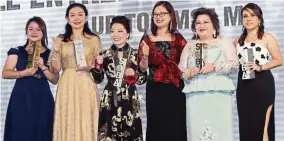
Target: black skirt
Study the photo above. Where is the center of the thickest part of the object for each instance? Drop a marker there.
(166, 112)
(253, 99)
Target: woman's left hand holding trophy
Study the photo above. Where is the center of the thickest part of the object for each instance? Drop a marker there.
(208, 67)
(40, 64)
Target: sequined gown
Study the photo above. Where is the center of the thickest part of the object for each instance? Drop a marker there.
(76, 103)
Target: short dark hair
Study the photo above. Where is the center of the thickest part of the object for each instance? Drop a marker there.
(122, 20)
(213, 17)
(42, 26)
(173, 23)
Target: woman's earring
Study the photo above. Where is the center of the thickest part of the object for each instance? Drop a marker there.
(214, 34)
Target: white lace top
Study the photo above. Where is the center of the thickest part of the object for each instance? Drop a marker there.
(222, 52)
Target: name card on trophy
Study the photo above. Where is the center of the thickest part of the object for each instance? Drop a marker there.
(80, 53)
(200, 51)
(248, 73)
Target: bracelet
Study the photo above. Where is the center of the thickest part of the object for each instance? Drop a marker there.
(145, 57)
(44, 69)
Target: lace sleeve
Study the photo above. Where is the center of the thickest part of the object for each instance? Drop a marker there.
(96, 44)
(231, 63)
(55, 56)
(183, 62)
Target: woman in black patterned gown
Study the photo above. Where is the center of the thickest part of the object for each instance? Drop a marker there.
(120, 115)
(256, 97)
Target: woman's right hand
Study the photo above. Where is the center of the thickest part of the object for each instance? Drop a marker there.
(100, 59)
(192, 72)
(56, 46)
(145, 48)
(29, 72)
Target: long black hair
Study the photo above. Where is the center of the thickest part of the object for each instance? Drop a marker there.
(258, 12)
(68, 28)
(42, 26)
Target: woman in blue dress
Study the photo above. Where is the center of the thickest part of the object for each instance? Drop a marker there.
(30, 110)
(208, 88)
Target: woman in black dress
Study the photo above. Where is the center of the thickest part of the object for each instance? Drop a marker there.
(160, 50)
(120, 115)
(31, 106)
(256, 96)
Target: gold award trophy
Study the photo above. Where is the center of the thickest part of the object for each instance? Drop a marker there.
(35, 53)
(80, 53)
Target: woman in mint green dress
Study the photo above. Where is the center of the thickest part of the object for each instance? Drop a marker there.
(208, 88)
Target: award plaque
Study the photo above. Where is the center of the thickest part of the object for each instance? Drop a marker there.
(200, 51)
(248, 73)
(80, 53)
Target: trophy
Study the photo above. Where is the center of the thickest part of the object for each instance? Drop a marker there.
(35, 53)
(120, 69)
(248, 56)
(80, 53)
(200, 51)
